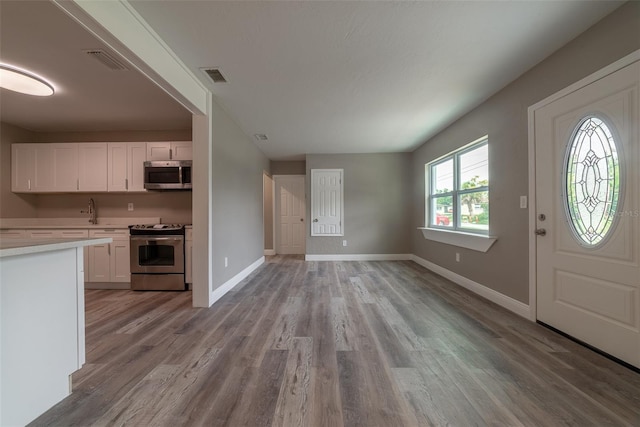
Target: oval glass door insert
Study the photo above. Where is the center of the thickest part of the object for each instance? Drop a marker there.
(592, 182)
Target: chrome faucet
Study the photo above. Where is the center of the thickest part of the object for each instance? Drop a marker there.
(93, 214)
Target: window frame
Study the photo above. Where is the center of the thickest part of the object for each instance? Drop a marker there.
(456, 193)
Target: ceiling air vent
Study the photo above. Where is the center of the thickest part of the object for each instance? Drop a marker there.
(106, 59)
(215, 75)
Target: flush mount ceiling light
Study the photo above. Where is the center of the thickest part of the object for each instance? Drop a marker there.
(23, 81)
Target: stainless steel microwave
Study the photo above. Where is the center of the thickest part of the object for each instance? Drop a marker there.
(167, 175)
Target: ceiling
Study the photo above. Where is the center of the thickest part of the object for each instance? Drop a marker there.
(314, 76)
(38, 36)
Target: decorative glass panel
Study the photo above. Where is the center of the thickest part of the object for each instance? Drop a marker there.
(592, 181)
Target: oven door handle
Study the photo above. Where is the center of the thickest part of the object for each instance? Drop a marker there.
(155, 239)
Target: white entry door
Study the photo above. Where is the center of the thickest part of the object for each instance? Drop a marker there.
(290, 213)
(587, 213)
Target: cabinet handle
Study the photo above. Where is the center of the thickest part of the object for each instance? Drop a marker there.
(108, 249)
(29, 183)
(170, 154)
(126, 183)
(77, 184)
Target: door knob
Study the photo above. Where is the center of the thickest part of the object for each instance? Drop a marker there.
(541, 232)
(301, 219)
(315, 220)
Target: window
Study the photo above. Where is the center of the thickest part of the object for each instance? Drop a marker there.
(457, 188)
(592, 182)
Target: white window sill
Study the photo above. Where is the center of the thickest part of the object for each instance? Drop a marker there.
(475, 242)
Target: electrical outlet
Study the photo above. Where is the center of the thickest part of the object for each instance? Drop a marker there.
(344, 243)
(523, 202)
(130, 207)
(226, 262)
(458, 258)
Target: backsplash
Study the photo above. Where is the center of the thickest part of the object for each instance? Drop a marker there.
(171, 206)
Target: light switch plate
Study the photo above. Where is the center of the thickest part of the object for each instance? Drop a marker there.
(523, 202)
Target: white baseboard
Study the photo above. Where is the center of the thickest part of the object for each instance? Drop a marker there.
(269, 252)
(502, 300)
(359, 257)
(229, 284)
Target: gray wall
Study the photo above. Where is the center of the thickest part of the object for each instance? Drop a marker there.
(377, 200)
(237, 198)
(169, 206)
(504, 118)
(284, 167)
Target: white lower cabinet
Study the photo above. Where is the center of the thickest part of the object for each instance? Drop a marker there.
(62, 234)
(110, 262)
(188, 256)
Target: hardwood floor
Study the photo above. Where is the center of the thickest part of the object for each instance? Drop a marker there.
(335, 344)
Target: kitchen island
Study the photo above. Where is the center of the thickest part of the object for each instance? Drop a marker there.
(41, 323)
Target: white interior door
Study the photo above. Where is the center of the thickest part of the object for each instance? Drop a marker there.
(587, 184)
(327, 202)
(290, 213)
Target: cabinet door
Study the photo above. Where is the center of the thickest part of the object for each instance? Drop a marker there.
(23, 162)
(120, 269)
(188, 260)
(65, 167)
(42, 234)
(92, 166)
(117, 166)
(79, 234)
(158, 151)
(136, 156)
(181, 150)
(99, 268)
(73, 234)
(44, 168)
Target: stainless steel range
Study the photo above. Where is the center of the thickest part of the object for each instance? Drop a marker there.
(157, 257)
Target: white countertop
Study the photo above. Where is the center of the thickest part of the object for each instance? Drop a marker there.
(13, 247)
(73, 223)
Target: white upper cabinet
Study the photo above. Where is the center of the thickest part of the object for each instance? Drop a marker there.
(180, 150)
(92, 167)
(136, 156)
(88, 167)
(23, 167)
(44, 167)
(117, 166)
(126, 166)
(65, 167)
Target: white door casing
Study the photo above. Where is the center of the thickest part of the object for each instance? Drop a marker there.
(290, 214)
(590, 293)
(327, 202)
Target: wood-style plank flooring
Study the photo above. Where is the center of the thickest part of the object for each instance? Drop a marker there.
(335, 344)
